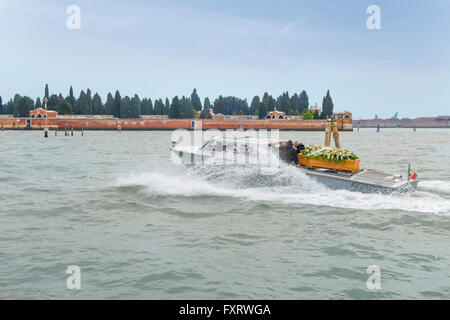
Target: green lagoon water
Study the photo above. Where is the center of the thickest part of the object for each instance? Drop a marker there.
(141, 227)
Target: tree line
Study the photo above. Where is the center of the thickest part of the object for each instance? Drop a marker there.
(177, 108)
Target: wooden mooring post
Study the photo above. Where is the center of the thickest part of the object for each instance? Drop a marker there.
(378, 127)
(332, 126)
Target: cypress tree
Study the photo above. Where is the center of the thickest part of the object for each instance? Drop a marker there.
(262, 110)
(150, 106)
(206, 107)
(254, 105)
(316, 115)
(97, 105)
(83, 104)
(24, 105)
(1, 106)
(109, 105)
(38, 103)
(294, 102)
(89, 99)
(9, 107)
(303, 102)
(166, 107)
(47, 94)
(135, 107)
(72, 100)
(327, 104)
(117, 102)
(219, 106)
(175, 108)
(195, 101)
(125, 107)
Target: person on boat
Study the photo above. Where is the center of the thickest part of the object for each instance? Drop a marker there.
(282, 151)
(291, 153)
(299, 146)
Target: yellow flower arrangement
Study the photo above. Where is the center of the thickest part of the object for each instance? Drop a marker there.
(318, 151)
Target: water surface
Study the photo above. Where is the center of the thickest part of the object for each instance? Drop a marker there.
(141, 227)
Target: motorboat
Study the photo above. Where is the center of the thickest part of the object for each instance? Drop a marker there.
(265, 152)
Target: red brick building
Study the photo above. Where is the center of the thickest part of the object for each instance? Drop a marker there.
(41, 113)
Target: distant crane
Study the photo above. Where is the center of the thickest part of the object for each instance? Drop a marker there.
(396, 120)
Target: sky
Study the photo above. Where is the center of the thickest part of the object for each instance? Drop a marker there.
(240, 48)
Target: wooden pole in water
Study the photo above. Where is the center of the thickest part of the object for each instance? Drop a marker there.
(82, 132)
(71, 132)
(359, 124)
(46, 117)
(327, 134)
(378, 127)
(336, 134)
(65, 131)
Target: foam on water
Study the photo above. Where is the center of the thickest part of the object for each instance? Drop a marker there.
(285, 185)
(436, 186)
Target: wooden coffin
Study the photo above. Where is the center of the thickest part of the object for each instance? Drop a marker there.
(346, 165)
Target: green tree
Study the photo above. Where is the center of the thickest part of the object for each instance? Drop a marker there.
(38, 103)
(97, 105)
(303, 102)
(10, 107)
(64, 107)
(53, 101)
(72, 100)
(1, 106)
(195, 101)
(117, 102)
(157, 108)
(262, 110)
(23, 106)
(109, 105)
(82, 103)
(187, 111)
(285, 102)
(327, 104)
(147, 106)
(308, 115)
(89, 99)
(125, 106)
(255, 104)
(47, 93)
(316, 115)
(206, 107)
(135, 107)
(219, 106)
(294, 102)
(175, 108)
(166, 107)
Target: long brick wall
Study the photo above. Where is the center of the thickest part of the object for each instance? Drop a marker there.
(403, 123)
(172, 124)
